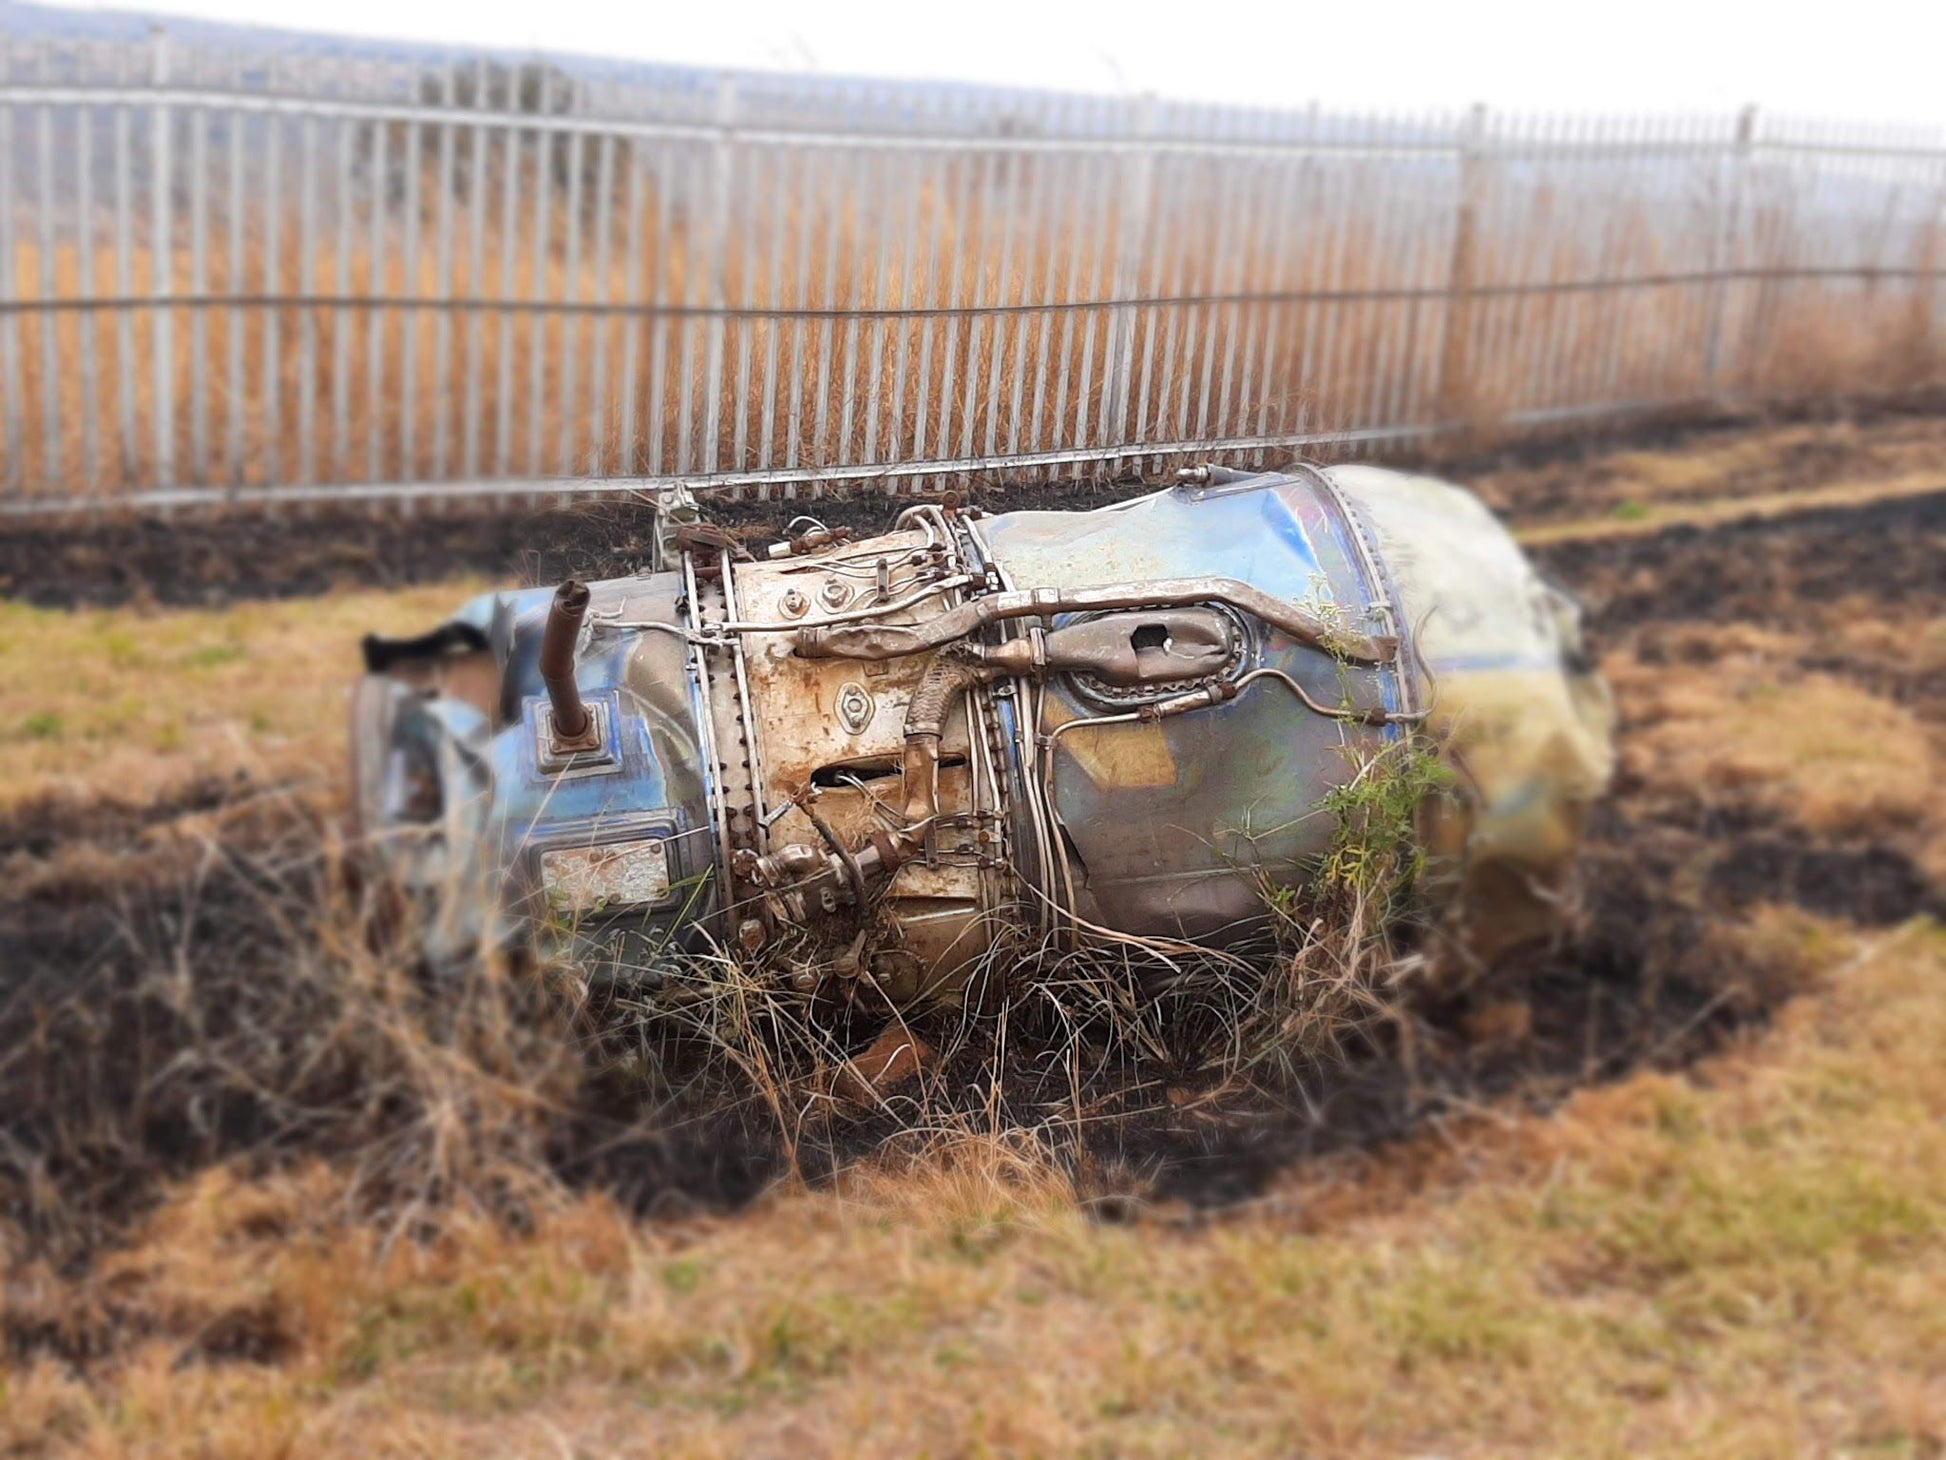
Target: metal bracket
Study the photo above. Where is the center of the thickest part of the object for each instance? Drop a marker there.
(589, 754)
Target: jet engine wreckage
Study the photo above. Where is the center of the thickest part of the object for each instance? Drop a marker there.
(890, 758)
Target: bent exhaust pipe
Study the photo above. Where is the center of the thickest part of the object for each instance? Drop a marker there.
(572, 722)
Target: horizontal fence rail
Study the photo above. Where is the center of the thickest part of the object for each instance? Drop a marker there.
(234, 278)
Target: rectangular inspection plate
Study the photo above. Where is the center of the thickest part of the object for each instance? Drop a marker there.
(581, 881)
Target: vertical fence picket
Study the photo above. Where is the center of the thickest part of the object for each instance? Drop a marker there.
(985, 205)
(867, 222)
(722, 183)
(162, 265)
(975, 166)
(934, 235)
(659, 324)
(10, 371)
(307, 284)
(443, 245)
(827, 327)
(1131, 266)
(1111, 429)
(199, 165)
(512, 146)
(632, 321)
(1013, 202)
(346, 203)
(235, 282)
(1233, 224)
(1149, 226)
(1723, 240)
(378, 285)
(777, 236)
(273, 286)
(1056, 240)
(46, 221)
(89, 320)
(567, 394)
(599, 321)
(1235, 314)
(411, 164)
(538, 268)
(800, 271)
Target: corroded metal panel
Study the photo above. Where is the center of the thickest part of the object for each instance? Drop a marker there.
(616, 877)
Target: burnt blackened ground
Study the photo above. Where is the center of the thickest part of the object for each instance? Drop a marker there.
(165, 1005)
(211, 561)
(208, 560)
(172, 1014)
(1775, 572)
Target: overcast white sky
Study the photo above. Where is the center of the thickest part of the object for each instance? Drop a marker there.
(1864, 59)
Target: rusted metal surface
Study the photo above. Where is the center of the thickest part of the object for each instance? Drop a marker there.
(572, 726)
(878, 763)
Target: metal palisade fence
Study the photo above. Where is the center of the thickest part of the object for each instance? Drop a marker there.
(251, 278)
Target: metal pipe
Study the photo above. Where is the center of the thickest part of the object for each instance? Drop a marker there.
(953, 671)
(564, 618)
(888, 641)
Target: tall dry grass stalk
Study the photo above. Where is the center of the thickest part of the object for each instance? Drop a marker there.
(265, 1003)
(1058, 1044)
(258, 1000)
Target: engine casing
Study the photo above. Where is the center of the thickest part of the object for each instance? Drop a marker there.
(1140, 713)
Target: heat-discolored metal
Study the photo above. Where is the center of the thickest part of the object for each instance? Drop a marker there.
(1121, 724)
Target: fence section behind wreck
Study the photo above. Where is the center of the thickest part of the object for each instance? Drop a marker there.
(226, 277)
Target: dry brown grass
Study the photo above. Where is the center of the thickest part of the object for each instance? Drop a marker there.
(1753, 1265)
(1752, 730)
(138, 704)
(1736, 467)
(1736, 721)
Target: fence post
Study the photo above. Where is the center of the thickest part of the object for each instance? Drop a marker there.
(1723, 243)
(1455, 399)
(1926, 296)
(722, 180)
(162, 267)
(1131, 257)
(14, 470)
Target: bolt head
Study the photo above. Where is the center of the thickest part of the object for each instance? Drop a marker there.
(854, 707)
(751, 935)
(794, 603)
(834, 593)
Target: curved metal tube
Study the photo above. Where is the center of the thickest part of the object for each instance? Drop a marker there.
(564, 618)
(889, 641)
(953, 671)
